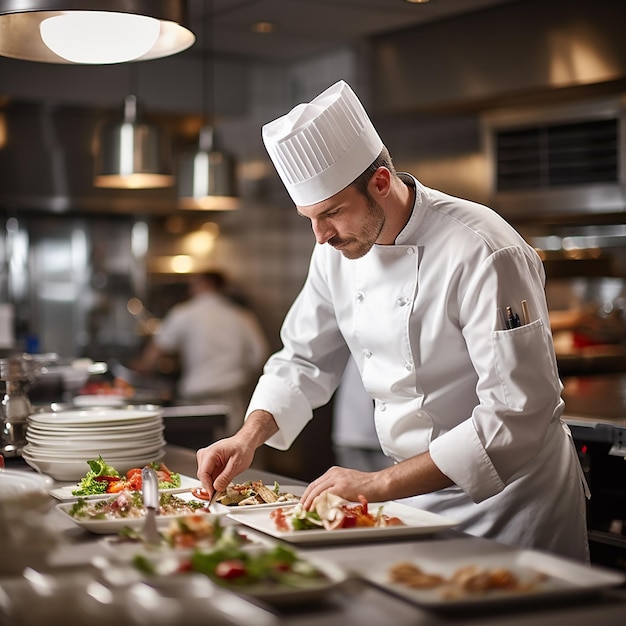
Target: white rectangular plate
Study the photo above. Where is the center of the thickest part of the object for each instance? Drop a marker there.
(565, 578)
(277, 594)
(296, 490)
(114, 526)
(417, 522)
(65, 493)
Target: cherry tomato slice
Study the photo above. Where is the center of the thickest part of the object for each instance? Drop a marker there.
(201, 493)
(233, 568)
(117, 486)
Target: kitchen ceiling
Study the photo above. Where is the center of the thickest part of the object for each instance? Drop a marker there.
(310, 27)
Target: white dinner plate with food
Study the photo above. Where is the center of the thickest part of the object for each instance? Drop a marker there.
(64, 493)
(462, 574)
(309, 579)
(108, 526)
(293, 490)
(415, 523)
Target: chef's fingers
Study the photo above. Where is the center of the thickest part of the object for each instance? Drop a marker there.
(340, 481)
(210, 465)
(316, 488)
(219, 463)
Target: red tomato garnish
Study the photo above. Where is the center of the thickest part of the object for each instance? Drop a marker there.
(131, 472)
(107, 479)
(233, 568)
(185, 566)
(282, 567)
(117, 486)
(201, 493)
(135, 482)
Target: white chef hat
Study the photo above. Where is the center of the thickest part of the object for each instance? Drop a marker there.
(320, 147)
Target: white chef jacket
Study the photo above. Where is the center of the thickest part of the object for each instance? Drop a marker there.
(422, 321)
(220, 345)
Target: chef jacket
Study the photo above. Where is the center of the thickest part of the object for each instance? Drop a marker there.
(221, 345)
(424, 321)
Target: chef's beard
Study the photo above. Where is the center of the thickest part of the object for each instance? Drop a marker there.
(359, 245)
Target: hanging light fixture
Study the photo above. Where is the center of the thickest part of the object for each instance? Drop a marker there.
(132, 154)
(93, 31)
(206, 176)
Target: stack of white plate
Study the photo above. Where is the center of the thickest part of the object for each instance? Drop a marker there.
(61, 443)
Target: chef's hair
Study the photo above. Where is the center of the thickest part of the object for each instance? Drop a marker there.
(382, 160)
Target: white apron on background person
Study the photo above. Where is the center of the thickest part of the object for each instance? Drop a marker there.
(421, 319)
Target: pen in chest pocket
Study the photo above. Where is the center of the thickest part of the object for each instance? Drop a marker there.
(512, 319)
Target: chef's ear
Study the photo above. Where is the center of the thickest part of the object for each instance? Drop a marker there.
(380, 183)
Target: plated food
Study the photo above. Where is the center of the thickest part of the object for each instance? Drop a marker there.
(414, 522)
(253, 493)
(462, 574)
(129, 505)
(333, 513)
(125, 510)
(468, 580)
(102, 478)
(273, 573)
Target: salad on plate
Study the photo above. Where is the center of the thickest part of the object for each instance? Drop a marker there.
(332, 513)
(102, 479)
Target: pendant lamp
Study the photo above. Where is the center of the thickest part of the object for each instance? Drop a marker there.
(207, 176)
(93, 31)
(132, 154)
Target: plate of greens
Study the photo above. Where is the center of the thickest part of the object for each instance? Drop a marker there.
(102, 479)
(275, 574)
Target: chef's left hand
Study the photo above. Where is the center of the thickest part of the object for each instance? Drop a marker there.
(345, 483)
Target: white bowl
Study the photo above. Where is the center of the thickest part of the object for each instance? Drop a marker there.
(25, 541)
(72, 470)
(23, 489)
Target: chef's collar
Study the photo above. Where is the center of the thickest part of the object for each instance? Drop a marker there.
(404, 236)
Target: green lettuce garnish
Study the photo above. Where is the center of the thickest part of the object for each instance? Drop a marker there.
(89, 485)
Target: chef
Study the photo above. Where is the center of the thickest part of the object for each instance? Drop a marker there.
(441, 303)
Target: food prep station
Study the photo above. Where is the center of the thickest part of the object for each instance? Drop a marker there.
(358, 593)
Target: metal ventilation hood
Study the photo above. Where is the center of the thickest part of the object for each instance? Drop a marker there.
(565, 160)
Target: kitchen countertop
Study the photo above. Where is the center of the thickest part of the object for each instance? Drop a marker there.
(595, 409)
(358, 603)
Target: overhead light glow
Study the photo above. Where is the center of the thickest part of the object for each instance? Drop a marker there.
(99, 37)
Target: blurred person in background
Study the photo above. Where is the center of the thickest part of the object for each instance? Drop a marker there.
(219, 344)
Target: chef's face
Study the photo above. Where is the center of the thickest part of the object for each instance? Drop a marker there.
(349, 221)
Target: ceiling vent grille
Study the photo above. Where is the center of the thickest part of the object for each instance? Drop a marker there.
(548, 156)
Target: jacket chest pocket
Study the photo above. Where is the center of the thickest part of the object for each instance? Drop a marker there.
(525, 367)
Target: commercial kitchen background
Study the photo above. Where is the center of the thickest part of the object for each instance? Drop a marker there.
(443, 94)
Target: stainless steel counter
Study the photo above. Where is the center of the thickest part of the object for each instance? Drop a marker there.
(361, 604)
(595, 409)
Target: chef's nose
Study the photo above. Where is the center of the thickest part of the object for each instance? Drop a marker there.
(322, 231)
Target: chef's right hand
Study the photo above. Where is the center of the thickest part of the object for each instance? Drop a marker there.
(220, 462)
